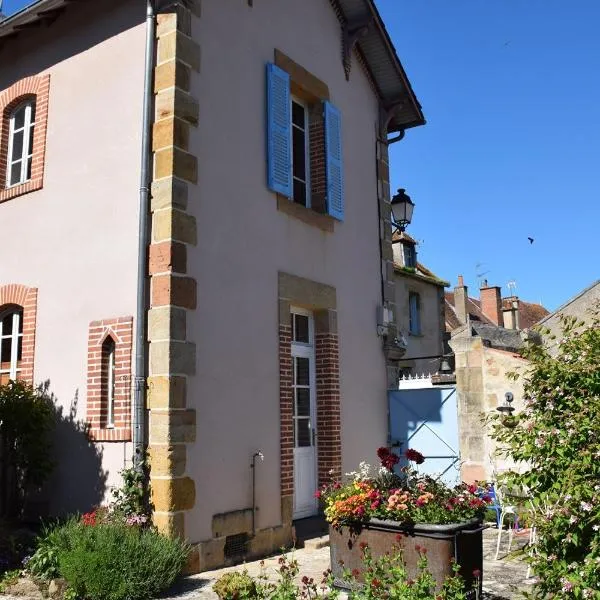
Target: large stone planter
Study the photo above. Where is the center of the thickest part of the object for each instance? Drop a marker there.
(461, 541)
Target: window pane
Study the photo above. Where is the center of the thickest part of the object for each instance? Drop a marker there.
(298, 113)
(7, 324)
(302, 402)
(302, 377)
(303, 427)
(15, 173)
(20, 348)
(17, 147)
(19, 117)
(28, 177)
(301, 329)
(32, 112)
(299, 149)
(30, 149)
(20, 321)
(299, 192)
(5, 350)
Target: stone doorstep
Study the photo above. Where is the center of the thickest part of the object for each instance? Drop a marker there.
(317, 543)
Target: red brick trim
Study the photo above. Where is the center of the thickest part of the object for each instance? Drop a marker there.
(39, 87)
(121, 331)
(328, 407)
(26, 298)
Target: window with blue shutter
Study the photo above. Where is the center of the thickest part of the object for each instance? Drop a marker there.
(279, 152)
(334, 161)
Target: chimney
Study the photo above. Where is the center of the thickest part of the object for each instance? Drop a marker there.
(491, 303)
(460, 300)
(510, 311)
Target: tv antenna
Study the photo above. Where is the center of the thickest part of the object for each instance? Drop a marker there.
(512, 287)
(480, 274)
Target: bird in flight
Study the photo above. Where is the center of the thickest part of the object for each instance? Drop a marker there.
(530, 240)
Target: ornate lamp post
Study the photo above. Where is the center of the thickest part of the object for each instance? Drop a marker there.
(402, 209)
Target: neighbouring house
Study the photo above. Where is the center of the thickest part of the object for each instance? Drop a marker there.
(485, 352)
(196, 246)
(581, 306)
(420, 308)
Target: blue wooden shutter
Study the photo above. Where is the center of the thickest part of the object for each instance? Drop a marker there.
(335, 163)
(279, 122)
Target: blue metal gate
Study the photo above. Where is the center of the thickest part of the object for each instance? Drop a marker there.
(426, 419)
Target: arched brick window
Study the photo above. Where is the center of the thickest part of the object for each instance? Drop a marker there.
(18, 308)
(23, 122)
(109, 379)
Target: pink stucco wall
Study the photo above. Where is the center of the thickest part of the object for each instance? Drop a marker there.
(76, 239)
(244, 241)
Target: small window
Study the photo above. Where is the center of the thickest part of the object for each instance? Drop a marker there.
(410, 256)
(108, 382)
(301, 328)
(414, 306)
(21, 125)
(11, 343)
(300, 153)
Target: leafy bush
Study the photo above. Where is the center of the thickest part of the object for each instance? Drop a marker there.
(557, 443)
(27, 418)
(235, 586)
(110, 561)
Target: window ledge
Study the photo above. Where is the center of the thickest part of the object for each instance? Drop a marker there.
(23, 188)
(306, 215)
(114, 434)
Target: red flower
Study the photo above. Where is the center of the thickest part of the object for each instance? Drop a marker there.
(355, 572)
(388, 459)
(89, 518)
(318, 494)
(415, 456)
(363, 545)
(376, 583)
(477, 573)
(472, 488)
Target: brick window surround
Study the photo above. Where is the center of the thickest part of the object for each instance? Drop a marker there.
(26, 298)
(121, 331)
(314, 92)
(37, 87)
(321, 300)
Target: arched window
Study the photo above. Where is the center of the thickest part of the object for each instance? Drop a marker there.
(11, 342)
(21, 124)
(108, 382)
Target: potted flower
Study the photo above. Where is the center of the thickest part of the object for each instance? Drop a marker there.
(398, 507)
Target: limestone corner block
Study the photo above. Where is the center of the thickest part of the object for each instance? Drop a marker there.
(178, 45)
(178, 291)
(169, 192)
(175, 102)
(173, 494)
(173, 427)
(171, 524)
(166, 322)
(178, 20)
(172, 74)
(287, 509)
(166, 392)
(170, 132)
(174, 162)
(167, 257)
(167, 461)
(173, 224)
(211, 554)
(177, 358)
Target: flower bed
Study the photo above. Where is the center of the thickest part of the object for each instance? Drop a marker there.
(399, 508)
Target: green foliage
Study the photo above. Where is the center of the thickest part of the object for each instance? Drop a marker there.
(27, 418)
(7, 579)
(386, 578)
(44, 562)
(557, 443)
(112, 561)
(235, 586)
(131, 498)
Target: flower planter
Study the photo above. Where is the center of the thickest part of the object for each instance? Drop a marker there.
(462, 542)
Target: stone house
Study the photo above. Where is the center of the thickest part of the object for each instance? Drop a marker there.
(486, 336)
(581, 306)
(420, 308)
(196, 245)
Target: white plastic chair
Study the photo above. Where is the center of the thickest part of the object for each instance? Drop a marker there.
(505, 511)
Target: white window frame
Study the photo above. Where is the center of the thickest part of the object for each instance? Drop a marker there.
(110, 385)
(15, 336)
(305, 350)
(414, 324)
(27, 152)
(302, 103)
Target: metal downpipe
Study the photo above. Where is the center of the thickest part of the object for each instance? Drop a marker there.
(139, 399)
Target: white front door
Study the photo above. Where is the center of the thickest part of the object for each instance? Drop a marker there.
(303, 384)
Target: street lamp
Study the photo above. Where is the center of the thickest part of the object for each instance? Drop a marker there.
(402, 209)
(507, 410)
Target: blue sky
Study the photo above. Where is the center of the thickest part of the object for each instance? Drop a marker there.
(511, 150)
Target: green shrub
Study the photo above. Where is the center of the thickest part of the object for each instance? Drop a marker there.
(235, 586)
(111, 561)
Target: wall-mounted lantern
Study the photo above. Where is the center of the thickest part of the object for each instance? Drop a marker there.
(402, 209)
